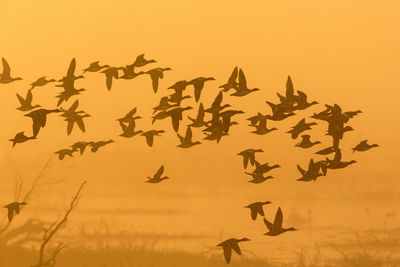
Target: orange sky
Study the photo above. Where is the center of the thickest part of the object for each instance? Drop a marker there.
(344, 52)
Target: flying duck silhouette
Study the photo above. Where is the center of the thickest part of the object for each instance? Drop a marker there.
(95, 67)
(226, 118)
(300, 127)
(258, 177)
(42, 81)
(326, 151)
(64, 152)
(141, 61)
(150, 136)
(249, 155)
(242, 88)
(198, 84)
(199, 121)
(157, 177)
(81, 146)
(290, 99)
(257, 208)
(96, 145)
(278, 112)
(39, 118)
(301, 101)
(313, 171)
(276, 228)
(216, 105)
(229, 245)
(5, 77)
(72, 116)
(336, 162)
(71, 73)
(111, 73)
(69, 91)
(264, 168)
(129, 72)
(232, 83)
(176, 116)
(352, 114)
(26, 103)
(13, 208)
(156, 74)
(163, 105)
(306, 142)
(364, 146)
(20, 138)
(129, 130)
(260, 123)
(186, 141)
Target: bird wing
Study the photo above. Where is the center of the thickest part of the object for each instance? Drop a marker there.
(245, 161)
(188, 136)
(29, 96)
(242, 80)
(233, 77)
(159, 172)
(149, 140)
(268, 224)
(10, 213)
(200, 113)
(236, 248)
(253, 214)
(338, 156)
(70, 125)
(227, 253)
(197, 90)
(301, 170)
(289, 87)
(80, 123)
(71, 69)
(131, 113)
(278, 219)
(6, 68)
(217, 100)
(21, 99)
(74, 105)
(154, 81)
(109, 79)
(302, 96)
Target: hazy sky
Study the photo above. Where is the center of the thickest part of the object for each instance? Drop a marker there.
(344, 52)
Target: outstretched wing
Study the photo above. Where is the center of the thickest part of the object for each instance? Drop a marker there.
(242, 80)
(278, 219)
(71, 69)
(20, 99)
(232, 79)
(159, 172)
(289, 87)
(301, 170)
(227, 253)
(6, 68)
(268, 224)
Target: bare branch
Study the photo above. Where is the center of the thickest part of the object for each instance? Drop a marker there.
(52, 230)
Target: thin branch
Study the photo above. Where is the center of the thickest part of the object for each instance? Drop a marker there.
(52, 230)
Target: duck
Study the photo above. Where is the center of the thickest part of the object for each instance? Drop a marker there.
(300, 127)
(258, 177)
(216, 105)
(129, 73)
(306, 142)
(179, 86)
(39, 118)
(157, 177)
(242, 88)
(352, 114)
(81, 146)
(363, 146)
(150, 136)
(42, 81)
(176, 116)
(5, 77)
(95, 67)
(257, 208)
(64, 152)
(71, 73)
(229, 245)
(186, 141)
(111, 73)
(261, 128)
(198, 84)
(163, 105)
(326, 151)
(26, 103)
(21, 138)
(264, 168)
(78, 119)
(128, 118)
(275, 229)
(249, 155)
(199, 121)
(336, 163)
(312, 173)
(323, 115)
(128, 131)
(278, 112)
(216, 132)
(232, 83)
(226, 118)
(13, 208)
(156, 74)
(290, 99)
(96, 145)
(177, 98)
(141, 61)
(301, 101)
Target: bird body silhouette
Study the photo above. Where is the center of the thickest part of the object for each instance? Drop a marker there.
(155, 75)
(300, 127)
(232, 83)
(26, 103)
(186, 141)
(249, 155)
(364, 146)
(96, 145)
(313, 171)
(199, 121)
(242, 88)
(198, 84)
(20, 138)
(65, 152)
(157, 177)
(257, 208)
(229, 245)
(95, 67)
(150, 136)
(5, 76)
(13, 208)
(276, 227)
(42, 81)
(39, 118)
(306, 142)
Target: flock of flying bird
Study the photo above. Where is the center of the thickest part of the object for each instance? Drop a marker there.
(216, 127)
